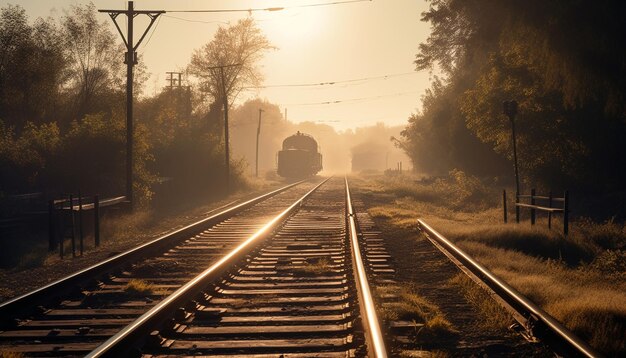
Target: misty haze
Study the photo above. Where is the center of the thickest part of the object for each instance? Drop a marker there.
(312, 178)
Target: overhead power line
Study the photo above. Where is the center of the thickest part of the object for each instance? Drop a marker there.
(198, 21)
(273, 8)
(330, 83)
(352, 99)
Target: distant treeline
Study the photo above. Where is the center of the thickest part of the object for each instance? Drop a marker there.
(563, 61)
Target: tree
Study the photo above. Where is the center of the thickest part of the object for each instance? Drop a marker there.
(274, 129)
(95, 65)
(565, 64)
(31, 68)
(240, 47)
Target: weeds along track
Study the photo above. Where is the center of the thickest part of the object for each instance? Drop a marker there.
(75, 315)
(280, 278)
(533, 321)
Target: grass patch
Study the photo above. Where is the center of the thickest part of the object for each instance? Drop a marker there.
(10, 354)
(579, 279)
(315, 267)
(137, 287)
(494, 315)
(423, 354)
(412, 307)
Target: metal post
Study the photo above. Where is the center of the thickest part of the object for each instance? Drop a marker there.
(516, 208)
(80, 222)
(51, 227)
(61, 233)
(510, 109)
(258, 132)
(504, 206)
(532, 209)
(550, 212)
(96, 220)
(73, 237)
(566, 213)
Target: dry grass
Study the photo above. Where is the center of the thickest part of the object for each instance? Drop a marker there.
(9, 354)
(137, 287)
(423, 354)
(494, 315)
(315, 267)
(413, 307)
(580, 280)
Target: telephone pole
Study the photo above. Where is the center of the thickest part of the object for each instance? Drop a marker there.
(225, 104)
(510, 109)
(130, 59)
(258, 132)
(173, 81)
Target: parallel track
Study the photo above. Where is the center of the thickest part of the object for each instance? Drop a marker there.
(534, 320)
(293, 296)
(74, 315)
(294, 286)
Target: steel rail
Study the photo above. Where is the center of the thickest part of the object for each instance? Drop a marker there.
(538, 317)
(121, 343)
(29, 300)
(373, 335)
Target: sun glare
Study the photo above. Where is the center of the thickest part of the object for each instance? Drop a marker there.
(294, 26)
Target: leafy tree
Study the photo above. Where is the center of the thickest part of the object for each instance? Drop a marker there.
(241, 47)
(31, 68)
(565, 64)
(244, 126)
(94, 55)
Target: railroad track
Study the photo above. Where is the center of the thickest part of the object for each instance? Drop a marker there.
(534, 322)
(273, 283)
(75, 314)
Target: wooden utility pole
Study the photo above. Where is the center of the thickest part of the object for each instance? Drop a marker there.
(226, 135)
(258, 132)
(226, 142)
(510, 109)
(130, 59)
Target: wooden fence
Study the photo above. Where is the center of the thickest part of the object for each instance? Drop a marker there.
(70, 212)
(551, 205)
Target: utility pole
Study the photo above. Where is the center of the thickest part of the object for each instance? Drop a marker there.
(226, 143)
(130, 59)
(258, 132)
(285, 114)
(510, 109)
(173, 80)
(225, 103)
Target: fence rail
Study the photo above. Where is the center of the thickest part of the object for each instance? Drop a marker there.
(547, 201)
(63, 210)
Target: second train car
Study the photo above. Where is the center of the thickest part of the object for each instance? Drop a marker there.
(299, 157)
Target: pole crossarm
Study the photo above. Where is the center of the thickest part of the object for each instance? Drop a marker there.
(152, 14)
(131, 61)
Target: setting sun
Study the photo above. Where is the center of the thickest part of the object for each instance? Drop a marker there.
(294, 27)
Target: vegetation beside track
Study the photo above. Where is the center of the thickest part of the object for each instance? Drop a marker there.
(579, 279)
(33, 266)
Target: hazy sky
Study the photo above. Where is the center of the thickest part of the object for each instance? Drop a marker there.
(315, 44)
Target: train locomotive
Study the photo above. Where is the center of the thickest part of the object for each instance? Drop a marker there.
(299, 157)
